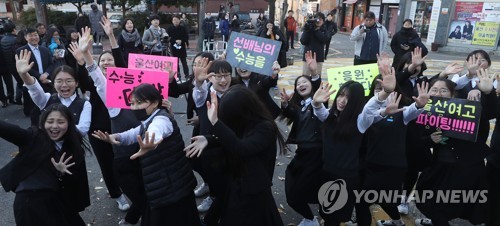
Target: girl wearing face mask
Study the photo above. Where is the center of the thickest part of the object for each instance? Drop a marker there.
(303, 173)
(47, 193)
(54, 42)
(405, 41)
(129, 40)
(383, 162)
(169, 194)
(458, 164)
(274, 33)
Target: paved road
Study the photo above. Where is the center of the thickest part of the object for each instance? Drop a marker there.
(103, 210)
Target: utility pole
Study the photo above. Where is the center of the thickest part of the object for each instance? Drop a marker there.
(201, 17)
(13, 8)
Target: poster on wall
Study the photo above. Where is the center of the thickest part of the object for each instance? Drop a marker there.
(491, 12)
(461, 31)
(468, 10)
(485, 33)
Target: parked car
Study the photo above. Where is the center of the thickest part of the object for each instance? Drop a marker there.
(116, 20)
(245, 20)
(3, 20)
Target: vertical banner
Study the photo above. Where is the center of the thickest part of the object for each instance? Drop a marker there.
(431, 34)
(121, 81)
(456, 118)
(364, 74)
(252, 53)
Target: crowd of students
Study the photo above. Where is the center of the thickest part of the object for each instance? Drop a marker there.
(372, 143)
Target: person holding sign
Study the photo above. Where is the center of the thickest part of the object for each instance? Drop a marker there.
(274, 33)
(260, 85)
(249, 137)
(383, 162)
(459, 164)
(169, 194)
(47, 193)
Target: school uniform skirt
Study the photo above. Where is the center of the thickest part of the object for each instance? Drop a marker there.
(303, 175)
(250, 209)
(39, 207)
(182, 212)
(453, 176)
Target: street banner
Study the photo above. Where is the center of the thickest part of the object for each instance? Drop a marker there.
(121, 82)
(457, 118)
(152, 62)
(364, 74)
(252, 53)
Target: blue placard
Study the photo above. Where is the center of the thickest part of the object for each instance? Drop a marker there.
(252, 53)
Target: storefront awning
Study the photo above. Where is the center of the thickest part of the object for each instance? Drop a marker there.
(350, 1)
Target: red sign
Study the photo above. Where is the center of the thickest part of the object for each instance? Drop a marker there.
(468, 10)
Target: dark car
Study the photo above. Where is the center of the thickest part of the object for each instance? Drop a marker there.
(3, 20)
(245, 20)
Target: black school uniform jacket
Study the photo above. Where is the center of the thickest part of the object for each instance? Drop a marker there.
(260, 85)
(252, 156)
(74, 188)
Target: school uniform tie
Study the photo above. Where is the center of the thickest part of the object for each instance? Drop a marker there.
(305, 103)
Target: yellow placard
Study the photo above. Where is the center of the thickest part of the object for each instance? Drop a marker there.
(485, 33)
(364, 74)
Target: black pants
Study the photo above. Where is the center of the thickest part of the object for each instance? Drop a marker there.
(182, 212)
(97, 37)
(7, 79)
(327, 46)
(184, 67)
(129, 176)
(290, 36)
(380, 178)
(104, 153)
(344, 214)
(209, 39)
(360, 62)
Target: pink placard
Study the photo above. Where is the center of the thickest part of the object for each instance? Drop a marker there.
(121, 82)
(152, 62)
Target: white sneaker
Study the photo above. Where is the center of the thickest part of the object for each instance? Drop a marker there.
(201, 190)
(100, 44)
(94, 44)
(390, 223)
(205, 204)
(351, 223)
(403, 208)
(122, 222)
(423, 222)
(123, 204)
(307, 222)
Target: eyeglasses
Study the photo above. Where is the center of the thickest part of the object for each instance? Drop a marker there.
(440, 91)
(219, 77)
(68, 82)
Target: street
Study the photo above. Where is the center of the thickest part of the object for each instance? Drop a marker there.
(104, 211)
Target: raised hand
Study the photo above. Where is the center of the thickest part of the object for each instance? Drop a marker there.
(423, 95)
(451, 69)
(285, 97)
(437, 137)
(472, 66)
(393, 104)
(23, 64)
(276, 69)
(77, 54)
(105, 136)
(388, 81)
(62, 166)
(199, 143)
(485, 83)
(84, 40)
(416, 57)
(106, 25)
(474, 95)
(212, 108)
(311, 62)
(200, 70)
(323, 94)
(146, 146)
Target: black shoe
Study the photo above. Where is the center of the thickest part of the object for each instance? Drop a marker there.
(4, 103)
(292, 47)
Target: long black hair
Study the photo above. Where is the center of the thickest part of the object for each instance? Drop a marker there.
(48, 36)
(406, 59)
(72, 138)
(241, 109)
(294, 102)
(346, 121)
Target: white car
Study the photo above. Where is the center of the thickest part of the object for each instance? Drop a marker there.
(116, 20)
